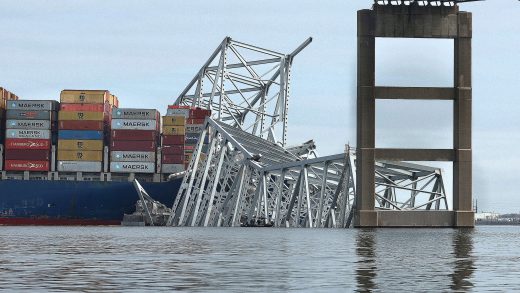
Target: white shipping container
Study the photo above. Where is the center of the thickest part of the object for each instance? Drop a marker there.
(32, 105)
(134, 124)
(28, 124)
(132, 167)
(28, 133)
(194, 127)
(178, 112)
(79, 166)
(127, 156)
(126, 113)
(172, 168)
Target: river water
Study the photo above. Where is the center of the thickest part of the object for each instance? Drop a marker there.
(258, 259)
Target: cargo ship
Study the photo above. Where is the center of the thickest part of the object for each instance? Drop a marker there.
(73, 162)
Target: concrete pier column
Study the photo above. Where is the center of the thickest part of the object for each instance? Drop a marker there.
(365, 193)
(462, 165)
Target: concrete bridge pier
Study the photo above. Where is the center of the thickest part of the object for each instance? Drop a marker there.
(414, 21)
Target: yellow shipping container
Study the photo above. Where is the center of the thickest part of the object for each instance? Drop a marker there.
(80, 156)
(75, 115)
(114, 101)
(80, 145)
(84, 96)
(174, 120)
(174, 130)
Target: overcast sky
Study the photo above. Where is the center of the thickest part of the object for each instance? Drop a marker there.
(146, 52)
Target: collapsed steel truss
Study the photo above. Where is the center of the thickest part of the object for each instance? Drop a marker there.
(241, 179)
(245, 86)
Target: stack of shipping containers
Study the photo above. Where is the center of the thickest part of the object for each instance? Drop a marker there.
(173, 137)
(194, 127)
(3, 99)
(134, 140)
(5, 95)
(182, 127)
(29, 135)
(84, 120)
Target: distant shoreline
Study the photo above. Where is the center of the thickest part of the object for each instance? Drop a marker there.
(496, 223)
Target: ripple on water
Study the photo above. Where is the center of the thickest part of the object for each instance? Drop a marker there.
(239, 259)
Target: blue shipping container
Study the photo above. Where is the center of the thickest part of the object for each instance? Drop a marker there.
(80, 134)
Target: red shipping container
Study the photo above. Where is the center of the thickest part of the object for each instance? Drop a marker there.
(198, 113)
(195, 121)
(27, 144)
(86, 107)
(25, 165)
(80, 125)
(31, 155)
(178, 107)
(134, 134)
(173, 149)
(172, 140)
(172, 159)
(133, 145)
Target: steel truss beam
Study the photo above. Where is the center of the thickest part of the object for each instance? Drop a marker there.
(242, 179)
(247, 87)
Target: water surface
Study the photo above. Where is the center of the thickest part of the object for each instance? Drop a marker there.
(258, 259)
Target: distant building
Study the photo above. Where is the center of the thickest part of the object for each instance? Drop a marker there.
(487, 216)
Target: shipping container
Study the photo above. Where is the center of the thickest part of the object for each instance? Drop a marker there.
(81, 115)
(178, 112)
(136, 145)
(76, 144)
(114, 101)
(194, 128)
(192, 138)
(134, 135)
(144, 114)
(198, 113)
(85, 96)
(26, 133)
(178, 107)
(173, 159)
(34, 105)
(26, 165)
(79, 166)
(174, 120)
(172, 168)
(27, 144)
(94, 156)
(173, 149)
(81, 125)
(31, 115)
(134, 124)
(81, 134)
(120, 156)
(189, 148)
(29, 155)
(195, 121)
(132, 167)
(174, 130)
(172, 139)
(86, 107)
(28, 124)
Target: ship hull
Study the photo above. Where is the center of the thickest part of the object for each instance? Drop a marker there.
(40, 202)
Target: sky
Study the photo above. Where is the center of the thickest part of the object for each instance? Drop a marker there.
(146, 52)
